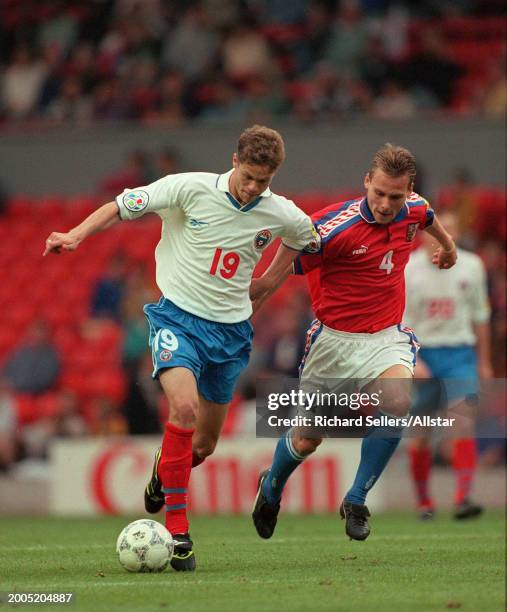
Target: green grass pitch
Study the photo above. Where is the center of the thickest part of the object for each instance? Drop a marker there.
(309, 564)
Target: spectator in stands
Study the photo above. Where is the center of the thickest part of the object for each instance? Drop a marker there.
(285, 351)
(245, 53)
(174, 104)
(71, 106)
(433, 68)
(461, 198)
(34, 366)
(106, 418)
(349, 39)
(167, 162)
(375, 67)
(192, 46)
(68, 422)
(136, 170)
(141, 406)
(8, 427)
(22, 83)
(108, 292)
(394, 102)
(110, 102)
(494, 100)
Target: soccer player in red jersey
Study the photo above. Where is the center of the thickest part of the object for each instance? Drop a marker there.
(357, 286)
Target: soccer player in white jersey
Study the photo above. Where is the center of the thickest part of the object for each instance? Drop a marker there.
(451, 313)
(214, 230)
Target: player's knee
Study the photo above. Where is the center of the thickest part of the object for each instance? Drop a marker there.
(399, 406)
(182, 412)
(204, 448)
(306, 446)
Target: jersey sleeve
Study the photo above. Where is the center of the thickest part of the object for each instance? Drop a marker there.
(165, 193)
(300, 233)
(428, 214)
(306, 262)
(479, 302)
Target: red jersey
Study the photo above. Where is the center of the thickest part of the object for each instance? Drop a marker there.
(357, 279)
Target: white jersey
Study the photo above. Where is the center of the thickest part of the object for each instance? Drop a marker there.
(442, 305)
(210, 244)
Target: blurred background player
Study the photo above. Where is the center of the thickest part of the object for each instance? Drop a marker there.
(451, 314)
(358, 294)
(215, 228)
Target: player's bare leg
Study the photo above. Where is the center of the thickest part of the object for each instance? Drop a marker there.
(210, 420)
(173, 462)
(377, 448)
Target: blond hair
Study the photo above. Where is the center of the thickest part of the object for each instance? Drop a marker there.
(394, 161)
(261, 146)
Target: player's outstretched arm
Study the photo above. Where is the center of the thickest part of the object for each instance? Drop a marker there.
(445, 256)
(279, 269)
(102, 218)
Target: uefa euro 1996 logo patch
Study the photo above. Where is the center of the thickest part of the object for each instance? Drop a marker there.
(314, 245)
(135, 201)
(262, 239)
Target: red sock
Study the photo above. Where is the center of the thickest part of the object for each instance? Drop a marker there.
(464, 459)
(174, 471)
(420, 467)
(196, 460)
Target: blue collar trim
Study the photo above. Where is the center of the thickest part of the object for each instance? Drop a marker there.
(367, 215)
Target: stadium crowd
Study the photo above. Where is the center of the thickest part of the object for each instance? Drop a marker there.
(169, 63)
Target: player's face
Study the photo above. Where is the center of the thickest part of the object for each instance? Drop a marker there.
(386, 195)
(248, 181)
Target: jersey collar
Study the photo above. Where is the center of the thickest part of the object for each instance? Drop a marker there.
(223, 185)
(367, 215)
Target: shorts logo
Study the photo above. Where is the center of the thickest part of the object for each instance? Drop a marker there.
(136, 201)
(359, 251)
(262, 239)
(411, 231)
(165, 355)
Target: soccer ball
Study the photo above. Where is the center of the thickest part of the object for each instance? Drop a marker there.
(144, 546)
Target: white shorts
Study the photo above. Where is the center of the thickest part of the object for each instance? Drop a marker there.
(331, 354)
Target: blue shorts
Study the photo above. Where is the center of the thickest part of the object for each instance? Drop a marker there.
(216, 353)
(454, 371)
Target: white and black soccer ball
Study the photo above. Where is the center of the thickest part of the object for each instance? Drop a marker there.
(144, 546)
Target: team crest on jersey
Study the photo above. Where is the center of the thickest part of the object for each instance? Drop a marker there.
(165, 355)
(135, 201)
(411, 231)
(262, 239)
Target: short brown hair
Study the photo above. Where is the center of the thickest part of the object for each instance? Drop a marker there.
(261, 146)
(394, 161)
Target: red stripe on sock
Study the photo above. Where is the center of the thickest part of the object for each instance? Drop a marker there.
(420, 468)
(464, 461)
(174, 471)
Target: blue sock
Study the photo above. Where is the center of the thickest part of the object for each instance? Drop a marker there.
(376, 450)
(285, 461)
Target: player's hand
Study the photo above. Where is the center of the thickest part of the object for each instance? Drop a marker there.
(58, 242)
(444, 259)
